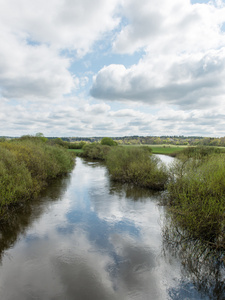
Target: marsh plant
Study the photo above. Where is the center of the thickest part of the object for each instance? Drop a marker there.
(136, 166)
(95, 151)
(26, 167)
(196, 195)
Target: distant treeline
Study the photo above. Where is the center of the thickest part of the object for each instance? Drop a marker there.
(156, 140)
(147, 140)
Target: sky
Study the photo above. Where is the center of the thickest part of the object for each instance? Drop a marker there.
(82, 68)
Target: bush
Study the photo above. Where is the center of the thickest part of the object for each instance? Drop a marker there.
(197, 196)
(15, 179)
(61, 161)
(79, 145)
(95, 151)
(26, 166)
(37, 138)
(59, 142)
(200, 152)
(108, 142)
(136, 166)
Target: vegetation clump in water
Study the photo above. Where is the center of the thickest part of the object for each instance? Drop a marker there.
(196, 194)
(133, 165)
(136, 165)
(95, 151)
(26, 166)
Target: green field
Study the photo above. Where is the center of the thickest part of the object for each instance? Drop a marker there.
(76, 150)
(156, 149)
(161, 149)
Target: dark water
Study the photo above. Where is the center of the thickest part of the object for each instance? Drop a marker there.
(88, 238)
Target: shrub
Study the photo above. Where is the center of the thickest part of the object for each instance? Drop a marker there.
(197, 196)
(95, 151)
(136, 166)
(59, 142)
(79, 145)
(37, 138)
(200, 152)
(26, 166)
(108, 141)
(60, 159)
(15, 180)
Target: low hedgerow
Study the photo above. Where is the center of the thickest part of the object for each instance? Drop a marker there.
(136, 166)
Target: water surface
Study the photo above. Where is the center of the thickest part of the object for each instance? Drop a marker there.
(89, 238)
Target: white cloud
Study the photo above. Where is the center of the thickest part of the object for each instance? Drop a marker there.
(33, 34)
(76, 117)
(62, 23)
(184, 56)
(125, 113)
(96, 109)
(31, 72)
(44, 89)
(170, 26)
(187, 81)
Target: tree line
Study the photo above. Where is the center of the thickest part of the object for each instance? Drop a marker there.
(143, 140)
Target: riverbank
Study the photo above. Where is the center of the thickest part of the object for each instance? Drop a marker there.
(27, 165)
(194, 185)
(88, 237)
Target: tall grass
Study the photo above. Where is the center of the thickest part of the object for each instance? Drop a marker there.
(135, 165)
(196, 194)
(26, 166)
(95, 151)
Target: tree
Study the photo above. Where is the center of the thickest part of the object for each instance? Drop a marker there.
(108, 141)
(41, 137)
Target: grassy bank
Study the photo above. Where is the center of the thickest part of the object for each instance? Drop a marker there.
(76, 151)
(196, 195)
(26, 167)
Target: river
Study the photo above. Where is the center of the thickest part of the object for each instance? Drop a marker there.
(89, 238)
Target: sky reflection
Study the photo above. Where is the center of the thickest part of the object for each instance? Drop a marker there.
(97, 241)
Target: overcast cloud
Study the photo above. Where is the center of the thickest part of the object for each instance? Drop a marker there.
(112, 68)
